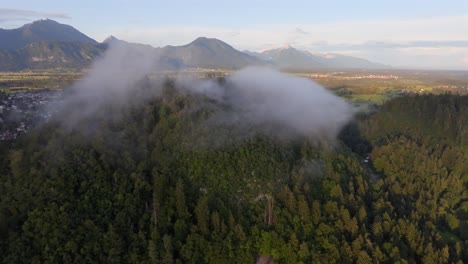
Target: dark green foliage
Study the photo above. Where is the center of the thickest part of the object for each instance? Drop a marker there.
(152, 185)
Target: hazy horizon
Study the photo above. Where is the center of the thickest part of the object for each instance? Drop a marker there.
(420, 34)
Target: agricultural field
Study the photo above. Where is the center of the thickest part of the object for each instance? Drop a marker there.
(359, 87)
(366, 89)
(37, 80)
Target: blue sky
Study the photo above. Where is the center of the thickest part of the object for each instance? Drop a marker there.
(430, 34)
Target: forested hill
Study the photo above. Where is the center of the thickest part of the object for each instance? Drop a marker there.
(150, 184)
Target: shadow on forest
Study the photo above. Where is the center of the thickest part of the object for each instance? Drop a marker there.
(351, 136)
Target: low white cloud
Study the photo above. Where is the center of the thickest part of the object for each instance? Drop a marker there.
(255, 98)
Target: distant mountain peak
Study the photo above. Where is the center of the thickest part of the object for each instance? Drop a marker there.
(45, 25)
(205, 41)
(112, 40)
(38, 31)
(43, 21)
(210, 44)
(199, 39)
(208, 53)
(40, 22)
(278, 48)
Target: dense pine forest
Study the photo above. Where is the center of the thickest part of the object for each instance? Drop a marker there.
(154, 182)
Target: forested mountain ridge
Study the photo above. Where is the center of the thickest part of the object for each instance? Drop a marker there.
(133, 187)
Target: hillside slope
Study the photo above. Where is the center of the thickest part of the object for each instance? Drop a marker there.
(48, 55)
(39, 31)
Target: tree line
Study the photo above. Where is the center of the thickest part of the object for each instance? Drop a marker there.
(150, 185)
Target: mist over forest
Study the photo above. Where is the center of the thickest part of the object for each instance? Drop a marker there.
(236, 171)
(120, 152)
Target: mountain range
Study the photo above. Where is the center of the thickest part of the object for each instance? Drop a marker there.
(290, 57)
(46, 44)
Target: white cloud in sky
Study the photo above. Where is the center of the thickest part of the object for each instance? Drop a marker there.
(12, 15)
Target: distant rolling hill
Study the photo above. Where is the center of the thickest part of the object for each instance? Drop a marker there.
(47, 44)
(289, 57)
(339, 61)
